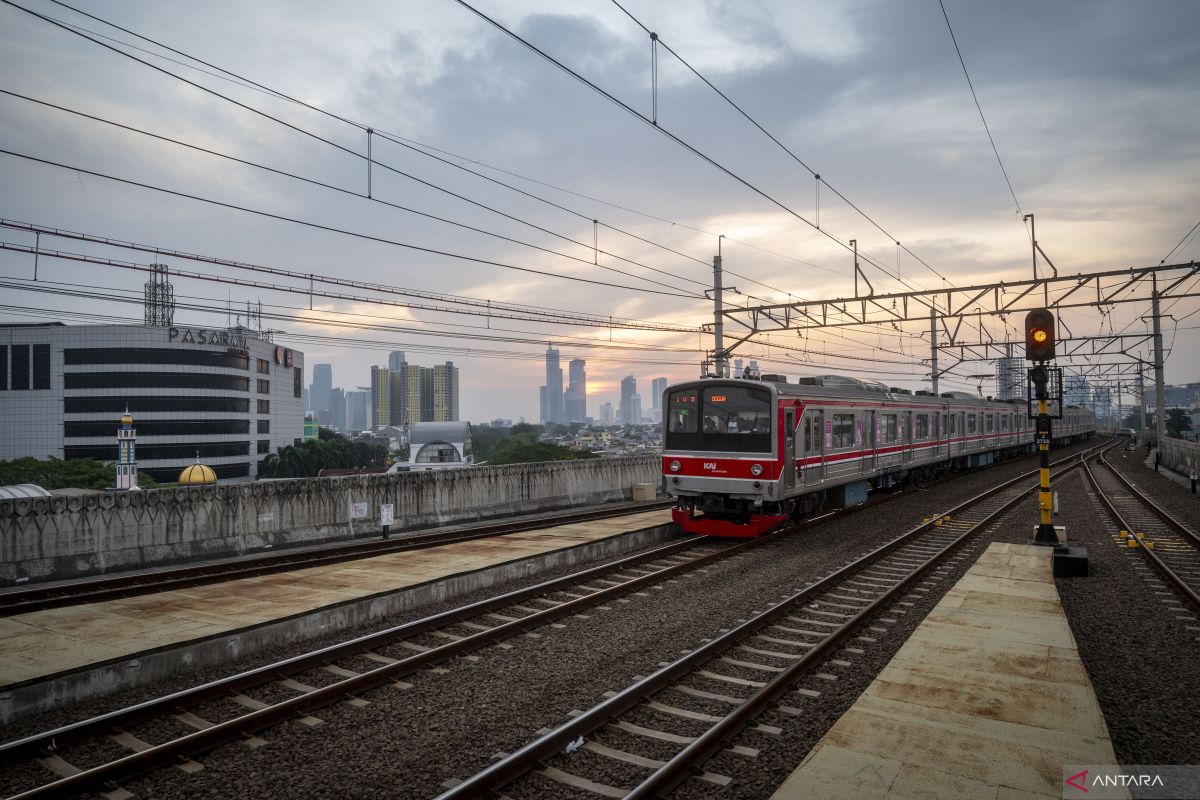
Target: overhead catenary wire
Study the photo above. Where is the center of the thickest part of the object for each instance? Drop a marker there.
(269, 91)
(360, 195)
(334, 229)
(775, 140)
(673, 137)
(979, 108)
(302, 131)
(421, 147)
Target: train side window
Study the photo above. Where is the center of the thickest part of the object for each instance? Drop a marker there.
(888, 428)
(991, 422)
(922, 426)
(1004, 422)
(843, 431)
(970, 423)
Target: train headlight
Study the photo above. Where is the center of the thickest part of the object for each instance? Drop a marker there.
(674, 466)
(756, 470)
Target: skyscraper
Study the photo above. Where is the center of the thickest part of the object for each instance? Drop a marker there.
(552, 396)
(657, 387)
(575, 399)
(356, 409)
(606, 414)
(381, 397)
(628, 391)
(443, 393)
(322, 384)
(337, 408)
(395, 360)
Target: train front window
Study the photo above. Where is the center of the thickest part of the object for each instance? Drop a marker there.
(732, 419)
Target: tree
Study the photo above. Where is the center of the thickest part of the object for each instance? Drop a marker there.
(330, 451)
(1177, 421)
(75, 473)
(524, 448)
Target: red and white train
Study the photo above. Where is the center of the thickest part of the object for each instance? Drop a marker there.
(742, 456)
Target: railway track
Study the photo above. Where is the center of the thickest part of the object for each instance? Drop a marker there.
(1172, 547)
(94, 590)
(673, 722)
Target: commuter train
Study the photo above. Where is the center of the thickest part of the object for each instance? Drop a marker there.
(742, 456)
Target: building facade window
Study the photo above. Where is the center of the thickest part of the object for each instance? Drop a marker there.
(20, 367)
(264, 366)
(75, 430)
(154, 380)
(264, 406)
(4, 367)
(264, 386)
(153, 355)
(264, 426)
(150, 452)
(88, 405)
(297, 382)
(264, 446)
(41, 366)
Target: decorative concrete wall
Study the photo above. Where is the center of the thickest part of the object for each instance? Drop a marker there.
(1181, 456)
(63, 537)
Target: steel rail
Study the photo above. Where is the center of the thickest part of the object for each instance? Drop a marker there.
(1148, 501)
(1159, 563)
(93, 590)
(505, 771)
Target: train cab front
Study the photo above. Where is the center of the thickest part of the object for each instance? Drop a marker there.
(721, 459)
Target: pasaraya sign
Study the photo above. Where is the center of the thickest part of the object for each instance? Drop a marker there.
(207, 336)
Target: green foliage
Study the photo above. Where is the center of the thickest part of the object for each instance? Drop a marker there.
(331, 451)
(484, 441)
(1177, 422)
(524, 448)
(76, 473)
(525, 427)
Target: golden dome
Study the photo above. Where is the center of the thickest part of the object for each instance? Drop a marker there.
(197, 474)
(126, 420)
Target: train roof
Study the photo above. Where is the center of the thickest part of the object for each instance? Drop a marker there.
(845, 387)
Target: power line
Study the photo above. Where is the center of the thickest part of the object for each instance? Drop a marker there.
(673, 137)
(1180, 244)
(980, 108)
(310, 134)
(332, 229)
(421, 147)
(775, 140)
(361, 196)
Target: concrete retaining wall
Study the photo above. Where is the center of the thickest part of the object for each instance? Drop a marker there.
(64, 537)
(1180, 456)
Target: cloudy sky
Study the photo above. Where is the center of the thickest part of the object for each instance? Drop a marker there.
(1093, 107)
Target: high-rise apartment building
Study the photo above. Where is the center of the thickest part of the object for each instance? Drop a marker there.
(606, 414)
(575, 399)
(322, 385)
(657, 387)
(414, 394)
(628, 391)
(395, 360)
(551, 395)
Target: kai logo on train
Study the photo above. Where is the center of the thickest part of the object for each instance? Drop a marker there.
(710, 465)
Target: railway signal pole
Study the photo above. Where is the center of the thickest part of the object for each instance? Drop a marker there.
(1039, 348)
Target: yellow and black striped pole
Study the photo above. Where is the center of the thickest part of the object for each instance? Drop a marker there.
(1045, 530)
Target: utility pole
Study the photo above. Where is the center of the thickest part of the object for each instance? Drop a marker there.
(933, 350)
(1141, 390)
(1033, 239)
(1160, 416)
(718, 323)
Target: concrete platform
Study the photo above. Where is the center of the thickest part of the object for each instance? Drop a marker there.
(987, 699)
(210, 624)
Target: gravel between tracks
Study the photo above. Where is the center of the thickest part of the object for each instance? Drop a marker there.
(1177, 500)
(1143, 660)
(407, 743)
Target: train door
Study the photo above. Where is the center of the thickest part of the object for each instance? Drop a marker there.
(944, 436)
(872, 423)
(814, 437)
(962, 431)
(789, 449)
(906, 436)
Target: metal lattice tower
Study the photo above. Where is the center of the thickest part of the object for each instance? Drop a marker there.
(159, 298)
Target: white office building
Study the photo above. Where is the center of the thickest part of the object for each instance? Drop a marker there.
(229, 397)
